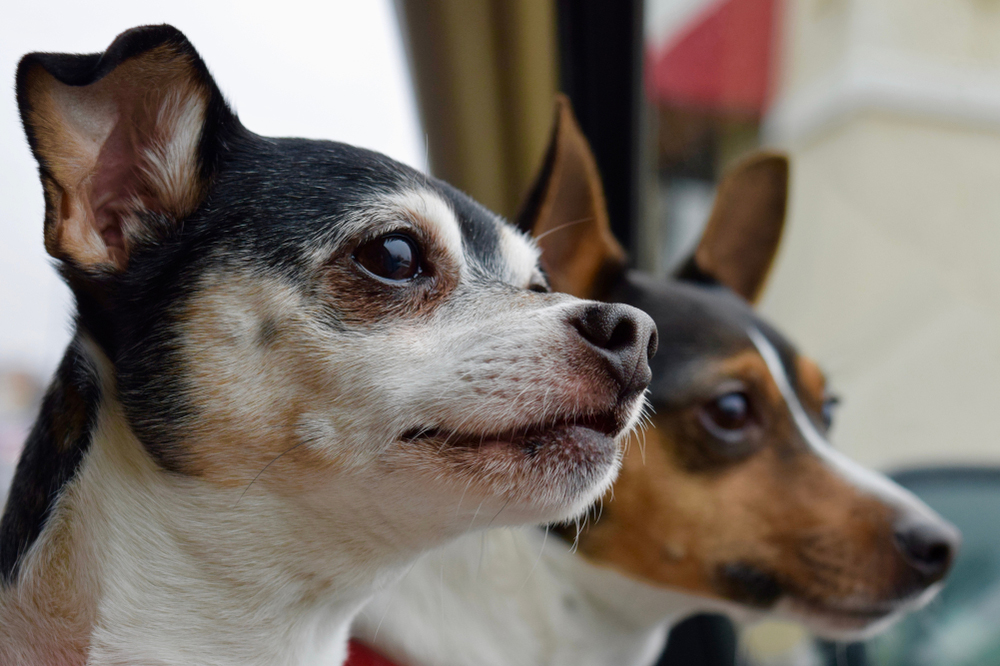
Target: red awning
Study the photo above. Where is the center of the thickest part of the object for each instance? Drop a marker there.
(720, 61)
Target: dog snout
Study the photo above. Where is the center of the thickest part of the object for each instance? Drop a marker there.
(928, 545)
(624, 336)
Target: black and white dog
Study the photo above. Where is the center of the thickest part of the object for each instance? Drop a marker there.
(297, 365)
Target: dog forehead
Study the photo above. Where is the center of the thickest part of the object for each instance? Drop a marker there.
(492, 244)
(315, 195)
(698, 325)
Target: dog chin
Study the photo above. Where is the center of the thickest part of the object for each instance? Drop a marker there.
(758, 594)
(598, 457)
(841, 624)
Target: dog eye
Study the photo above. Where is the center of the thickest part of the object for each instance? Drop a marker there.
(727, 415)
(394, 257)
(830, 404)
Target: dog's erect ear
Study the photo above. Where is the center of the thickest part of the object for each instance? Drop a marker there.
(566, 213)
(742, 236)
(124, 142)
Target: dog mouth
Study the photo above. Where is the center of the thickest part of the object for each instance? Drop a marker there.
(856, 617)
(761, 589)
(529, 438)
(546, 469)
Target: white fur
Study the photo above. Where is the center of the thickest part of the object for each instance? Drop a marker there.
(171, 163)
(176, 571)
(514, 596)
(523, 253)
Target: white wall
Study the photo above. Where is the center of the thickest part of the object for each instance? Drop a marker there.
(890, 273)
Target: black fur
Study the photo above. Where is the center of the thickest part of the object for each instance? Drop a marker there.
(55, 447)
(749, 585)
(690, 271)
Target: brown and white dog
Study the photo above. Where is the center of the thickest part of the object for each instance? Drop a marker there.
(732, 500)
(297, 365)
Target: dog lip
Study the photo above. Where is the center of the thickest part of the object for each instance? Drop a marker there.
(865, 614)
(608, 423)
(857, 614)
(758, 587)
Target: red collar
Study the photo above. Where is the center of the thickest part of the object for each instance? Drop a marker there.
(359, 654)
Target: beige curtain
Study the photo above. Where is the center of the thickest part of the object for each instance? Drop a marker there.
(485, 76)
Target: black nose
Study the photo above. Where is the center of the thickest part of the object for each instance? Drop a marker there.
(624, 336)
(928, 545)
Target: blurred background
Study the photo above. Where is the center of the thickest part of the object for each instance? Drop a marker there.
(890, 110)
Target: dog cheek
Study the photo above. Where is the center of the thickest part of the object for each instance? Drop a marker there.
(251, 367)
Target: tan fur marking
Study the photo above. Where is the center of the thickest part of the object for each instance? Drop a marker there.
(53, 604)
(251, 410)
(812, 383)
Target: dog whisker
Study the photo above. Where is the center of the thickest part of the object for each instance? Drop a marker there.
(458, 508)
(309, 440)
(497, 515)
(538, 559)
(561, 227)
(392, 599)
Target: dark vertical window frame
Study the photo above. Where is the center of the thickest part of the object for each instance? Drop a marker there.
(601, 71)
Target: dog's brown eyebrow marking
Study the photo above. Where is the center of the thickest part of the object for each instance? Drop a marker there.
(809, 377)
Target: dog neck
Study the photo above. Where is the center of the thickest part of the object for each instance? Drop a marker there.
(134, 558)
(519, 597)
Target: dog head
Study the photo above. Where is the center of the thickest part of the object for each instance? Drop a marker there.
(314, 322)
(734, 492)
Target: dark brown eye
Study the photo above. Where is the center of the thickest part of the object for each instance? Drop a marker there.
(829, 408)
(393, 257)
(727, 415)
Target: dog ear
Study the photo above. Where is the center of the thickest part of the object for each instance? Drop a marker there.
(566, 213)
(124, 142)
(741, 239)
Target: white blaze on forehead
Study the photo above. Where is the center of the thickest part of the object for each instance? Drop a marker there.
(862, 478)
(520, 255)
(436, 217)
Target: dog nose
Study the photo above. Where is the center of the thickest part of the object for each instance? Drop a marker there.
(928, 546)
(624, 336)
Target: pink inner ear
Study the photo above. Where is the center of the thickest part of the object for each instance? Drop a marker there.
(116, 148)
(116, 186)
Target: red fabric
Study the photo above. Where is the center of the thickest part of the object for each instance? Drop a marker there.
(359, 654)
(721, 61)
